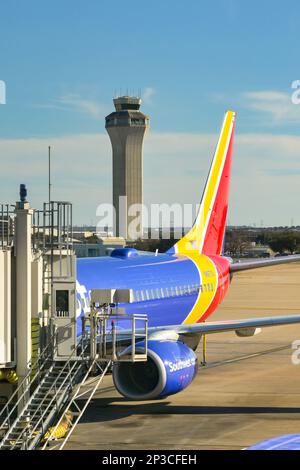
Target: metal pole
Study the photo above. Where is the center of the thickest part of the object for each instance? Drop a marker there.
(23, 232)
(203, 363)
(133, 339)
(49, 173)
(113, 328)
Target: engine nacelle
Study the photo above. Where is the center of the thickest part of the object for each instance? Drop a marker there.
(170, 368)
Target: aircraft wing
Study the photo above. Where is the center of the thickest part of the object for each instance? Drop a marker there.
(246, 326)
(261, 263)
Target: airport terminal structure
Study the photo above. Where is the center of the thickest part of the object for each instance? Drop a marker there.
(66, 322)
(43, 366)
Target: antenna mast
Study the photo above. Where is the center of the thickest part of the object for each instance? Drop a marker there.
(49, 173)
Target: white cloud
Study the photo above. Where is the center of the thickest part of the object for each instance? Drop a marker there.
(147, 95)
(265, 180)
(270, 107)
(74, 102)
(276, 105)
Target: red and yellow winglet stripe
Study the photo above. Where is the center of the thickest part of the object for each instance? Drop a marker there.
(208, 275)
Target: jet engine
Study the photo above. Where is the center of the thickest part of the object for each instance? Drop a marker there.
(171, 366)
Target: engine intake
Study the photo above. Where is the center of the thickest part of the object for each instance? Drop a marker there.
(170, 368)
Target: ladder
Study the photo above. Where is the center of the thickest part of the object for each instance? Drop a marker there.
(44, 405)
(53, 388)
(76, 406)
(30, 416)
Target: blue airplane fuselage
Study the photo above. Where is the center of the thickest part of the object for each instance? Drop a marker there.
(164, 287)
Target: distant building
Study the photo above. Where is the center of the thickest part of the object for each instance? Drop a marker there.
(101, 248)
(257, 251)
(126, 128)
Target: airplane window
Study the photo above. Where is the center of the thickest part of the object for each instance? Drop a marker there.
(204, 287)
(137, 296)
(153, 293)
(157, 293)
(172, 292)
(142, 295)
(162, 293)
(167, 292)
(176, 290)
(147, 295)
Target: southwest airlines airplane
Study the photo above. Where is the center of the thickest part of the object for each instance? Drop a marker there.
(178, 290)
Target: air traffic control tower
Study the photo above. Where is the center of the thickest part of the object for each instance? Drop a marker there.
(126, 128)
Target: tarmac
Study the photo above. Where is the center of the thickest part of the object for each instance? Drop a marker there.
(248, 391)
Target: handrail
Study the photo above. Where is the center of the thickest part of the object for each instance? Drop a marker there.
(54, 398)
(45, 411)
(27, 381)
(73, 398)
(85, 405)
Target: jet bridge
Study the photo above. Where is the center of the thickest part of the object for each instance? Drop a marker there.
(54, 388)
(44, 368)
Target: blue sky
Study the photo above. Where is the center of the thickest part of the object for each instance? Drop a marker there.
(62, 62)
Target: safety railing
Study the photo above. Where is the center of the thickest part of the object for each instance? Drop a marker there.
(57, 391)
(114, 337)
(39, 417)
(7, 216)
(10, 408)
(76, 403)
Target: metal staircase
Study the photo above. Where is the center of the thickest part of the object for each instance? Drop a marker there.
(53, 388)
(77, 405)
(38, 402)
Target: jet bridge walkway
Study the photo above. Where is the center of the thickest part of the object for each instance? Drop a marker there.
(54, 388)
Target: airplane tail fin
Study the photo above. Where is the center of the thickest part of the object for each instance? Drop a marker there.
(207, 234)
